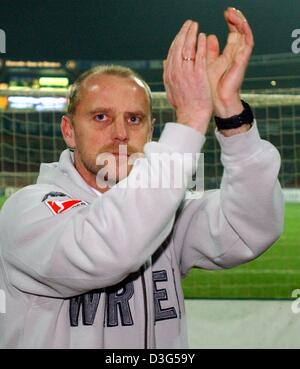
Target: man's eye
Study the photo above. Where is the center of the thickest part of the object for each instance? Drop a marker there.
(101, 117)
(134, 120)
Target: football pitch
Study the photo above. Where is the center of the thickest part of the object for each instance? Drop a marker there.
(2, 200)
(272, 276)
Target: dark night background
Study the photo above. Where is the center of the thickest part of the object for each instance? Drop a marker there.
(132, 29)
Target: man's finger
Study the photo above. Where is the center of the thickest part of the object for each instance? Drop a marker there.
(213, 48)
(175, 54)
(180, 34)
(201, 50)
(240, 33)
(171, 62)
(231, 25)
(233, 43)
(246, 29)
(249, 38)
(241, 15)
(190, 44)
(234, 20)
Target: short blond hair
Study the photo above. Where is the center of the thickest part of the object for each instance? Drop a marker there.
(113, 70)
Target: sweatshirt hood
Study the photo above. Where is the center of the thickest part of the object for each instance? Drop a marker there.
(64, 175)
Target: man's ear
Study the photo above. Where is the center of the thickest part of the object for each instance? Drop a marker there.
(67, 130)
(151, 130)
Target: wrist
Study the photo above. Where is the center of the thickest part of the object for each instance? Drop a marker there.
(228, 108)
(238, 123)
(197, 120)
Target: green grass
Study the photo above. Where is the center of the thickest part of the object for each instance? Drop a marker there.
(272, 276)
(2, 200)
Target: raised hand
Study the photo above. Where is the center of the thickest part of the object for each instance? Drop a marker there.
(186, 79)
(226, 71)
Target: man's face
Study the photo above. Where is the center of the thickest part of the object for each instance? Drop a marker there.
(112, 111)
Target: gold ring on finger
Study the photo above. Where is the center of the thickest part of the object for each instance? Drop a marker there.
(188, 59)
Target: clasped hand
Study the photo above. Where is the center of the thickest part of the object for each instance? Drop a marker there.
(199, 79)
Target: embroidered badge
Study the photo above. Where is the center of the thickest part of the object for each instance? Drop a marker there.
(61, 206)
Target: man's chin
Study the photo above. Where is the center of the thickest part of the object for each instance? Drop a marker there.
(105, 180)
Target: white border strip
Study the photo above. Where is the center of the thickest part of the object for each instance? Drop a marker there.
(291, 195)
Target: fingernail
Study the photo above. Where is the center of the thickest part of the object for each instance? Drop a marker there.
(241, 13)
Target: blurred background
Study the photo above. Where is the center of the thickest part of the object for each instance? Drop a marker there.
(45, 45)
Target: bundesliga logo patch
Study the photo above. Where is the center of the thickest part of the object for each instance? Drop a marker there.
(61, 206)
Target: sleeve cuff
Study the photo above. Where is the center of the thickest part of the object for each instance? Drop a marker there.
(182, 138)
(239, 147)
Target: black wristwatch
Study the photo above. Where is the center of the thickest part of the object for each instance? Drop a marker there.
(236, 121)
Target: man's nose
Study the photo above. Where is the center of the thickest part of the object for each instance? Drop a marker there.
(120, 130)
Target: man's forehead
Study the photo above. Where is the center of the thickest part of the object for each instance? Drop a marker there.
(97, 83)
(101, 89)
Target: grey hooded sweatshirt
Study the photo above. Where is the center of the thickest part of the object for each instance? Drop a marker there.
(82, 270)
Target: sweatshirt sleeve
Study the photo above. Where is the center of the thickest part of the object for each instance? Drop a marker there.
(99, 244)
(233, 225)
